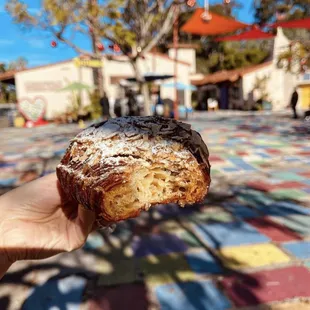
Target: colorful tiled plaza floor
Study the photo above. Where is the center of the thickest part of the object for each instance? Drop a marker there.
(246, 247)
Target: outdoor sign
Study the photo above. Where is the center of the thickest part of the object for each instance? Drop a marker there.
(92, 63)
(39, 86)
(32, 110)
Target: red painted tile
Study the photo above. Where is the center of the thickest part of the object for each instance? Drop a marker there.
(306, 153)
(268, 286)
(276, 232)
(261, 186)
(215, 158)
(120, 297)
(289, 184)
(273, 151)
(305, 174)
(242, 153)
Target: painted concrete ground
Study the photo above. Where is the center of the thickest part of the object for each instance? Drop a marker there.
(247, 246)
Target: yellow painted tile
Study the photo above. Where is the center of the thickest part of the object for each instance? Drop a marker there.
(166, 269)
(249, 256)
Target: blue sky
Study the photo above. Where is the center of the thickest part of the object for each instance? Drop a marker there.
(35, 45)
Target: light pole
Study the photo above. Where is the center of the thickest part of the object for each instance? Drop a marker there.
(175, 47)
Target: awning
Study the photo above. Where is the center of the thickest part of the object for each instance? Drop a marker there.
(180, 86)
(300, 23)
(217, 25)
(150, 77)
(253, 34)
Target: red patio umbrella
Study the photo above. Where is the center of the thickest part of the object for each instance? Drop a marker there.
(253, 34)
(299, 23)
(216, 25)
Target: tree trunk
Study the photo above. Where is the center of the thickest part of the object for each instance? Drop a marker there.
(146, 94)
(143, 86)
(97, 72)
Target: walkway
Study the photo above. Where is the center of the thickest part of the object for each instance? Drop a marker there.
(246, 245)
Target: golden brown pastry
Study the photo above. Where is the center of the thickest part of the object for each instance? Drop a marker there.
(124, 165)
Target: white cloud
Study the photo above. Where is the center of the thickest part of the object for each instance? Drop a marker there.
(6, 42)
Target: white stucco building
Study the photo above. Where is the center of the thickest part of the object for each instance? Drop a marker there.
(238, 88)
(45, 82)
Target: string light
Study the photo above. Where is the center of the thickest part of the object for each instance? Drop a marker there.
(191, 3)
(100, 47)
(116, 48)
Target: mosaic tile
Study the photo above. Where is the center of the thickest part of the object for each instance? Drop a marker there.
(300, 250)
(288, 176)
(252, 256)
(274, 231)
(268, 286)
(203, 262)
(191, 296)
(293, 194)
(206, 216)
(157, 244)
(114, 270)
(163, 269)
(126, 296)
(298, 223)
(57, 294)
(189, 240)
(229, 234)
(240, 211)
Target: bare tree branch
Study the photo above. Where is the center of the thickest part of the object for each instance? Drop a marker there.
(164, 29)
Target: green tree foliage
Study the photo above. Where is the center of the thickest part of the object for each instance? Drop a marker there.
(136, 26)
(8, 92)
(266, 11)
(296, 58)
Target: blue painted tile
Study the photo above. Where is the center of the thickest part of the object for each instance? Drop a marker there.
(231, 169)
(7, 165)
(158, 244)
(239, 210)
(283, 209)
(94, 241)
(7, 182)
(263, 155)
(191, 296)
(300, 250)
(57, 294)
(203, 262)
(306, 181)
(229, 234)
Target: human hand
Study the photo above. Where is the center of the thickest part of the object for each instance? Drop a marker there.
(37, 221)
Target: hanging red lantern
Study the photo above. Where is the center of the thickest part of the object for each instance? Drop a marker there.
(191, 3)
(90, 29)
(53, 43)
(116, 48)
(100, 47)
(303, 61)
